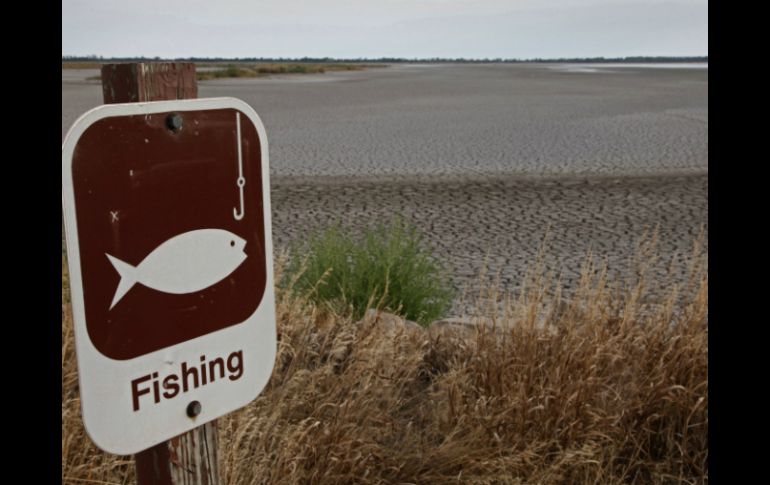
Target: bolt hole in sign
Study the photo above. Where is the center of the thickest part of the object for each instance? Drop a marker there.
(167, 219)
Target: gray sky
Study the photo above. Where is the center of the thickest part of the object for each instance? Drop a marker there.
(385, 28)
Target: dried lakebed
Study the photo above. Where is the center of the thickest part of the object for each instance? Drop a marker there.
(485, 159)
(502, 224)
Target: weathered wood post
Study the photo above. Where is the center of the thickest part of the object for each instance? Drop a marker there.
(189, 459)
(158, 81)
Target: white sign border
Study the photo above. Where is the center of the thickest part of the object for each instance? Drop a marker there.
(105, 392)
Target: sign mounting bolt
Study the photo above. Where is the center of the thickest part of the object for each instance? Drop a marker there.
(174, 122)
(194, 409)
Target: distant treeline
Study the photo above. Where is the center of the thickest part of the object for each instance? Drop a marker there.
(316, 60)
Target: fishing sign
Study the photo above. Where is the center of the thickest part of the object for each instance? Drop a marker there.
(167, 219)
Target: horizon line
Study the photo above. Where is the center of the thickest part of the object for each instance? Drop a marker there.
(94, 57)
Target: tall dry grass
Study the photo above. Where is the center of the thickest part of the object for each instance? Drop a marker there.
(603, 388)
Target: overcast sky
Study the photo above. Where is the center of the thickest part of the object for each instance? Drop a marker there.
(385, 28)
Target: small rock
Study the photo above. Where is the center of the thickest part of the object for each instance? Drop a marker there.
(390, 322)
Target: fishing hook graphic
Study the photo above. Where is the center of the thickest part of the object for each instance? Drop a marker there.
(241, 180)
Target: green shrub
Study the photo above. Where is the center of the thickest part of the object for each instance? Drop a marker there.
(388, 268)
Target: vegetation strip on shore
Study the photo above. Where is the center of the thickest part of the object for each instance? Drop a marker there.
(209, 71)
(260, 70)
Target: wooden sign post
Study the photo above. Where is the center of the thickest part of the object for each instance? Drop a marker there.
(192, 457)
(167, 220)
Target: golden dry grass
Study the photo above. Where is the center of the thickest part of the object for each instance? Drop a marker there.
(603, 388)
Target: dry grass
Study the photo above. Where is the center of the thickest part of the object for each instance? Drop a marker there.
(600, 389)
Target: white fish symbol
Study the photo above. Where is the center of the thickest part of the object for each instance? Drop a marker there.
(185, 263)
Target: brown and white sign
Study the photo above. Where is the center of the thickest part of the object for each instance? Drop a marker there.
(167, 215)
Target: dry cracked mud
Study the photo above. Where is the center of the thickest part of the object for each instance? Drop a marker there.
(485, 159)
